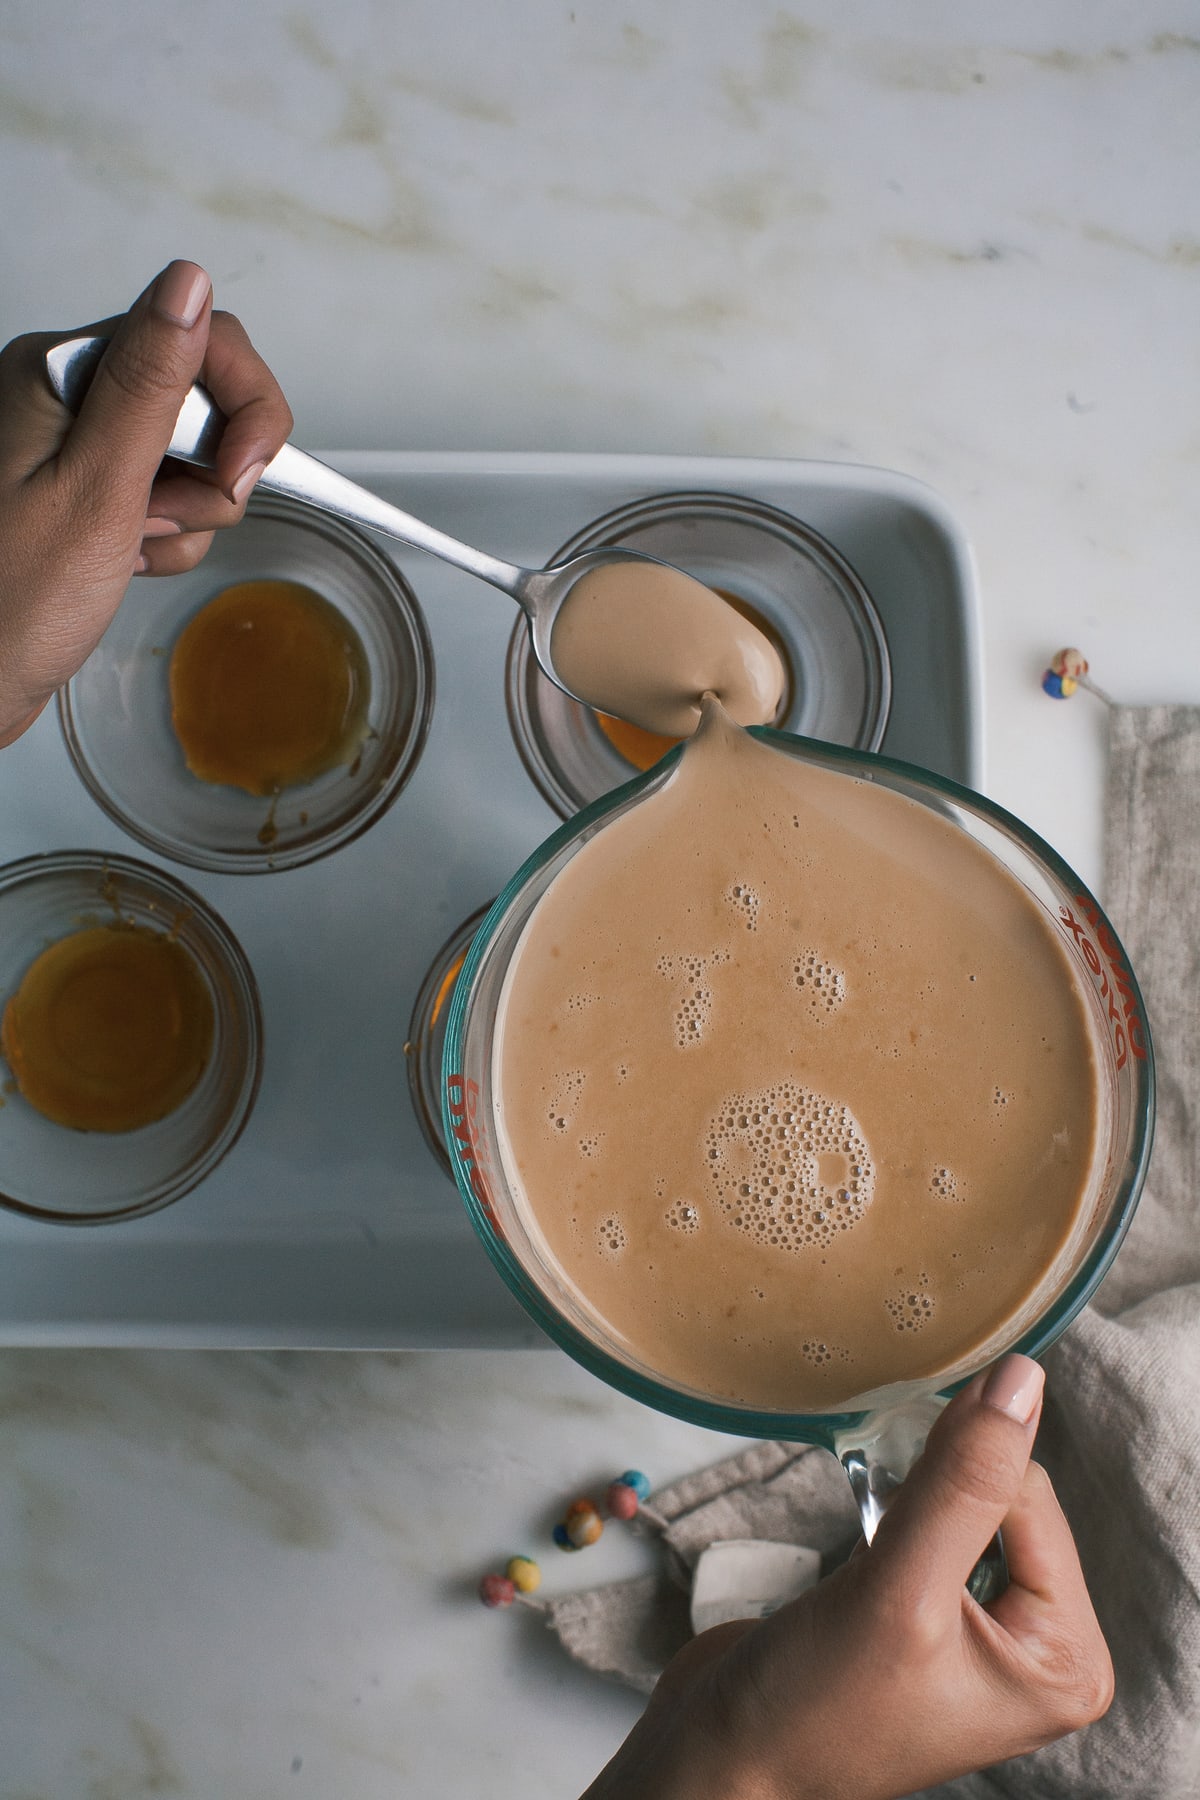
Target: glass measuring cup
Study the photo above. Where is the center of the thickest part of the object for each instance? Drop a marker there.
(877, 1434)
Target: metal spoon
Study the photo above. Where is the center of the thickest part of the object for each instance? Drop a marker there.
(539, 592)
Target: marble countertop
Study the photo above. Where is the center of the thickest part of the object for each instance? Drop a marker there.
(963, 243)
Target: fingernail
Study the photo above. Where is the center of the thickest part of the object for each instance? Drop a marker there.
(246, 482)
(161, 528)
(1015, 1387)
(180, 293)
(141, 565)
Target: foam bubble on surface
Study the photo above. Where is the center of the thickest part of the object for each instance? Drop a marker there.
(611, 1237)
(745, 901)
(819, 983)
(693, 997)
(817, 1352)
(788, 1167)
(590, 1146)
(912, 1307)
(945, 1185)
(564, 1098)
(682, 1215)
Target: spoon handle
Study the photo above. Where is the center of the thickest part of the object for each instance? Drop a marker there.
(306, 478)
(197, 434)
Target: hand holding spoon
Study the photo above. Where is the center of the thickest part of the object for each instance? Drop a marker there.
(639, 638)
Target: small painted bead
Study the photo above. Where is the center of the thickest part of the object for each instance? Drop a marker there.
(621, 1500)
(524, 1574)
(1069, 662)
(1059, 687)
(583, 1528)
(579, 1506)
(559, 1534)
(496, 1590)
(637, 1481)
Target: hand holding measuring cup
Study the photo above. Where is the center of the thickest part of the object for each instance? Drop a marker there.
(887, 1677)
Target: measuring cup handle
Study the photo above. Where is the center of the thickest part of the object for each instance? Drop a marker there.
(879, 1452)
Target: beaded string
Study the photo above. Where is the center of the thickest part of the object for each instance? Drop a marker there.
(581, 1525)
(1069, 670)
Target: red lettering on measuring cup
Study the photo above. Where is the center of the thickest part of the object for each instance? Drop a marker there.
(462, 1099)
(1115, 979)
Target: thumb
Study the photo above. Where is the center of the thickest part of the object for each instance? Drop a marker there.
(965, 1480)
(157, 349)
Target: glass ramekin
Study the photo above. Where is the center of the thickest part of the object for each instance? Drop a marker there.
(116, 712)
(806, 595)
(427, 1033)
(877, 1434)
(50, 1172)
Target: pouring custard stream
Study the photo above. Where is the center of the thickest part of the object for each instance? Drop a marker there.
(794, 1083)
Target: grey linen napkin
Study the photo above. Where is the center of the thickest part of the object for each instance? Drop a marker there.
(781, 1493)
(1120, 1432)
